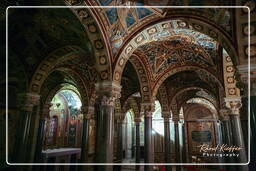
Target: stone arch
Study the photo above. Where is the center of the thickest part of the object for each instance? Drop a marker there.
(179, 92)
(152, 33)
(172, 101)
(196, 106)
(81, 86)
(46, 66)
(184, 68)
(142, 74)
(132, 103)
(163, 99)
(204, 99)
(99, 43)
(57, 88)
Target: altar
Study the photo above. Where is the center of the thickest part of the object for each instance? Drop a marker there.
(61, 155)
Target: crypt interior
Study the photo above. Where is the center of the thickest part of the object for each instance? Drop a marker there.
(127, 85)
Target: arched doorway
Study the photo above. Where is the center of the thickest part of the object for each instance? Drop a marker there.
(64, 125)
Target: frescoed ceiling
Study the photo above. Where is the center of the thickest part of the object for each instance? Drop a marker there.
(34, 33)
(54, 79)
(120, 23)
(130, 82)
(179, 45)
(196, 87)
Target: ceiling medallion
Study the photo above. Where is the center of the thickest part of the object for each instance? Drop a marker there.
(128, 49)
(98, 44)
(198, 27)
(104, 75)
(252, 51)
(83, 14)
(228, 59)
(121, 62)
(103, 60)
(230, 80)
(145, 89)
(232, 91)
(92, 28)
(139, 38)
(117, 76)
(182, 24)
(152, 30)
(165, 25)
(229, 69)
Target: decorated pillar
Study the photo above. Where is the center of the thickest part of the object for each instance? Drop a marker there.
(87, 115)
(226, 131)
(177, 141)
(167, 139)
(106, 93)
(41, 134)
(28, 101)
(148, 144)
(137, 142)
(184, 151)
(234, 104)
(119, 141)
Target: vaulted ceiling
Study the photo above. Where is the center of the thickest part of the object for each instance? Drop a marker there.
(35, 33)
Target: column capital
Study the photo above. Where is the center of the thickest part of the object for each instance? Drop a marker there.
(87, 117)
(224, 114)
(147, 108)
(87, 110)
(234, 104)
(175, 119)
(137, 120)
(28, 100)
(108, 89)
(166, 114)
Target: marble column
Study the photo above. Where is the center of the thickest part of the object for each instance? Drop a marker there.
(27, 108)
(40, 134)
(87, 114)
(106, 92)
(234, 104)
(148, 144)
(137, 142)
(226, 131)
(177, 143)
(119, 141)
(167, 142)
